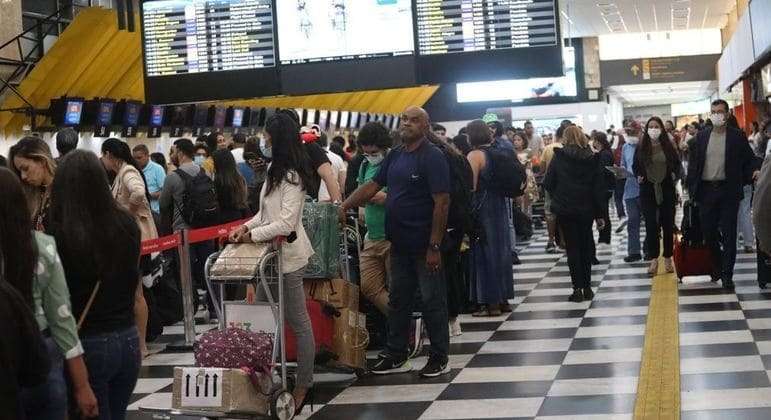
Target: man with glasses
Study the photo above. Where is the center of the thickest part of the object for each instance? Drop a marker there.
(720, 163)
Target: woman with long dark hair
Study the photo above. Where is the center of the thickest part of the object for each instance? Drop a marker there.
(605, 156)
(281, 206)
(31, 160)
(657, 167)
(99, 241)
(230, 187)
(31, 265)
(130, 191)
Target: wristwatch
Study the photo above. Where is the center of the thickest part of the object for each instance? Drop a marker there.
(434, 247)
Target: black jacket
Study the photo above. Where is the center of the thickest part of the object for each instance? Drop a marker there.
(674, 170)
(605, 158)
(576, 183)
(740, 162)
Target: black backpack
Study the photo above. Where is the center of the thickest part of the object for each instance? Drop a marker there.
(459, 215)
(508, 172)
(200, 207)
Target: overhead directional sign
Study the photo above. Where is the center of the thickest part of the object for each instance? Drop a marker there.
(658, 70)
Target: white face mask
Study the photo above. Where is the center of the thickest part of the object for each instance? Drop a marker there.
(375, 159)
(718, 120)
(198, 159)
(632, 140)
(654, 133)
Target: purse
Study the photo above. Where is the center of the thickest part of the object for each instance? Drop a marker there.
(239, 260)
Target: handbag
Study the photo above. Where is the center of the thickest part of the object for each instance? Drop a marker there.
(239, 260)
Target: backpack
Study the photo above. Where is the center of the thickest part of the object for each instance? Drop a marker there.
(507, 170)
(459, 215)
(200, 207)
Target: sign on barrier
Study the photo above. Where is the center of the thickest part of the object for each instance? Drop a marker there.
(161, 244)
(214, 232)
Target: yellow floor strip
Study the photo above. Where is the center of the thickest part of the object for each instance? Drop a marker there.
(658, 389)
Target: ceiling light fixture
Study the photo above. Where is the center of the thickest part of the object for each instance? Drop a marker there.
(704, 20)
(655, 17)
(639, 21)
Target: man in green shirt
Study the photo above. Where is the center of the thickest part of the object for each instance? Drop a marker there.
(373, 260)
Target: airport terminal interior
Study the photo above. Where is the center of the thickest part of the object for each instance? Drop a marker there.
(385, 209)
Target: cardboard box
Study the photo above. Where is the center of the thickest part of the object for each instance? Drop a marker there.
(339, 293)
(351, 339)
(219, 390)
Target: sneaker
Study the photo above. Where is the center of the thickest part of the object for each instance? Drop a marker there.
(515, 259)
(588, 293)
(595, 261)
(435, 367)
(386, 366)
(622, 226)
(577, 296)
(633, 258)
(551, 248)
(455, 329)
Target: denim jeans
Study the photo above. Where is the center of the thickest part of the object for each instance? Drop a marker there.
(49, 399)
(633, 212)
(113, 361)
(409, 272)
(744, 219)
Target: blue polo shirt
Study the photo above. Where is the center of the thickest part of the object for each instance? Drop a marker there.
(155, 176)
(412, 178)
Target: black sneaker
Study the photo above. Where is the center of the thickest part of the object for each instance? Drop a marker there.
(728, 284)
(386, 366)
(595, 261)
(621, 227)
(515, 259)
(551, 248)
(577, 296)
(435, 366)
(633, 258)
(588, 293)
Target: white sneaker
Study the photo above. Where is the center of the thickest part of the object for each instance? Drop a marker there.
(455, 327)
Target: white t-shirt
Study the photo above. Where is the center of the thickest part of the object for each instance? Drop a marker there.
(338, 166)
(238, 154)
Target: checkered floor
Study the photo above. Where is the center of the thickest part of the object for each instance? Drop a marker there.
(552, 359)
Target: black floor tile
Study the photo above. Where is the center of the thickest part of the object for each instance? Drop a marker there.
(546, 358)
(389, 411)
(761, 335)
(713, 326)
(621, 289)
(156, 372)
(730, 380)
(528, 389)
(410, 378)
(613, 320)
(600, 343)
(754, 296)
(574, 313)
(740, 413)
(465, 348)
(766, 361)
(588, 404)
(546, 299)
(534, 334)
(718, 350)
(626, 276)
(566, 284)
(480, 326)
(599, 370)
(708, 307)
(707, 291)
(757, 313)
(518, 269)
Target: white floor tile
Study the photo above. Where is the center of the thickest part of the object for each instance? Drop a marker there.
(480, 409)
(589, 417)
(715, 337)
(157, 400)
(611, 331)
(540, 324)
(552, 306)
(594, 386)
(711, 316)
(622, 295)
(759, 323)
(723, 399)
(630, 282)
(150, 385)
(690, 300)
(628, 311)
(526, 346)
(552, 292)
(602, 356)
(389, 394)
(764, 347)
(507, 374)
(756, 304)
(170, 359)
(721, 364)
(472, 337)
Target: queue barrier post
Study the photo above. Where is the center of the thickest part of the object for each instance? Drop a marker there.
(186, 283)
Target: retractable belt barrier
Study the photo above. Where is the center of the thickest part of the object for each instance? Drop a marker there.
(182, 240)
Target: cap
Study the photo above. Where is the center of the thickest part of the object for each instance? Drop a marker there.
(634, 126)
(489, 118)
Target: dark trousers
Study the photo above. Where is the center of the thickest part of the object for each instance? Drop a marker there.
(49, 399)
(605, 232)
(199, 252)
(454, 273)
(718, 208)
(113, 361)
(618, 196)
(408, 274)
(764, 267)
(658, 219)
(579, 244)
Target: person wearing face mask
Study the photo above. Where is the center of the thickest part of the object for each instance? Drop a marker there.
(720, 163)
(375, 144)
(632, 194)
(657, 168)
(201, 154)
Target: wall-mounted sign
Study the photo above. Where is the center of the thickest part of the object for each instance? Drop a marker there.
(658, 70)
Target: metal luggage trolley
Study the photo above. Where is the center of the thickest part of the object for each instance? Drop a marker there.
(267, 273)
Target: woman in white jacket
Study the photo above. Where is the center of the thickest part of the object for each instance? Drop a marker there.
(281, 206)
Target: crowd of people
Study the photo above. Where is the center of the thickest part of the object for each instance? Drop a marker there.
(442, 217)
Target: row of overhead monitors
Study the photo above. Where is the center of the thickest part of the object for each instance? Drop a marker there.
(108, 115)
(224, 49)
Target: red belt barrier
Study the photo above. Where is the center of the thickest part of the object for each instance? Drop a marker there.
(214, 232)
(161, 244)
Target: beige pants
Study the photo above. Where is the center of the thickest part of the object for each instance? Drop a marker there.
(374, 265)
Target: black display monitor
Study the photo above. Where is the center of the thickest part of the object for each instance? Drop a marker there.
(197, 50)
(460, 41)
(156, 116)
(131, 112)
(354, 44)
(67, 111)
(220, 114)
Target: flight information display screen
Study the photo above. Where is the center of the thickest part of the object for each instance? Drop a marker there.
(329, 30)
(506, 38)
(451, 26)
(208, 49)
(192, 36)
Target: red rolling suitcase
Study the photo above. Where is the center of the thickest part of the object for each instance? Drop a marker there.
(323, 324)
(692, 260)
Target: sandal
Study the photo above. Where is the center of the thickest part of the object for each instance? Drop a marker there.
(653, 269)
(668, 265)
(487, 312)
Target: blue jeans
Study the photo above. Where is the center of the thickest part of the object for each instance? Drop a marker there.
(633, 211)
(113, 361)
(408, 272)
(744, 219)
(49, 399)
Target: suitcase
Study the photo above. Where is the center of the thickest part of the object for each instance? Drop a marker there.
(322, 321)
(692, 260)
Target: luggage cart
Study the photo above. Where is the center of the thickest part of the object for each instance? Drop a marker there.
(267, 273)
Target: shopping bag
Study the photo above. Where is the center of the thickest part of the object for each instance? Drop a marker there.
(323, 230)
